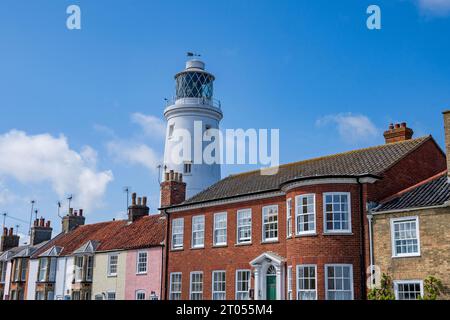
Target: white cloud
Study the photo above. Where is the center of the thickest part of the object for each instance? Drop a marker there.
(6, 196)
(435, 7)
(43, 158)
(151, 125)
(134, 153)
(351, 128)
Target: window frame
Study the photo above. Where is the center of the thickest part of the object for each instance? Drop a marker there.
(170, 285)
(191, 292)
(215, 243)
(187, 168)
(238, 239)
(263, 224)
(109, 273)
(224, 282)
(289, 232)
(140, 291)
(324, 209)
(236, 292)
(41, 269)
(397, 282)
(138, 272)
(172, 243)
(89, 268)
(298, 214)
(352, 284)
(202, 245)
(289, 283)
(393, 246)
(297, 280)
(110, 293)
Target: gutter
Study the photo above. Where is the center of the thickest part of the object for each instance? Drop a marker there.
(376, 213)
(362, 242)
(166, 260)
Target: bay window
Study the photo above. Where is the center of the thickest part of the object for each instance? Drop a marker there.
(305, 214)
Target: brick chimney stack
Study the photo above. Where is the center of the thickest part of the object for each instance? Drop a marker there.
(40, 231)
(137, 209)
(8, 240)
(398, 132)
(447, 139)
(173, 189)
(72, 220)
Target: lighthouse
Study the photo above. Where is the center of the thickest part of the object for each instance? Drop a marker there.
(192, 112)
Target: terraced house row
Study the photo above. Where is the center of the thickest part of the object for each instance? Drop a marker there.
(311, 231)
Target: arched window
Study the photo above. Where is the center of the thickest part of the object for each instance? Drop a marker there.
(271, 270)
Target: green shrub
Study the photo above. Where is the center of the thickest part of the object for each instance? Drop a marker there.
(432, 288)
(384, 292)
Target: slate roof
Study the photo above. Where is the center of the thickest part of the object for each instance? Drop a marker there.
(434, 192)
(145, 232)
(368, 161)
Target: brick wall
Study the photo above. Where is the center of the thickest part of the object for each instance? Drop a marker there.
(434, 247)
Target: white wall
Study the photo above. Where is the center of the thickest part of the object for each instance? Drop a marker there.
(60, 278)
(33, 270)
(7, 279)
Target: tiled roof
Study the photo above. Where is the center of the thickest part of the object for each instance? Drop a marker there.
(369, 161)
(145, 232)
(432, 193)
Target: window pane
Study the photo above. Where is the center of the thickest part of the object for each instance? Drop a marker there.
(337, 212)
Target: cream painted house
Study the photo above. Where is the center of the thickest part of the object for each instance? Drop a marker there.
(109, 276)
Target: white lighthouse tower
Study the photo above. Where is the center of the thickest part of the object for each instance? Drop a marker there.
(192, 109)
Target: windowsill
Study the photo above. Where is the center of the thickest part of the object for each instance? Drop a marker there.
(301, 235)
(141, 273)
(176, 249)
(340, 233)
(270, 241)
(289, 237)
(415, 255)
(243, 244)
(220, 245)
(112, 276)
(197, 248)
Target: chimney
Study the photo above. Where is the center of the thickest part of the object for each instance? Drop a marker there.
(398, 132)
(173, 189)
(8, 240)
(40, 232)
(447, 139)
(71, 221)
(139, 209)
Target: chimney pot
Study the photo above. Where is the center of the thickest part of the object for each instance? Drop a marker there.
(11, 232)
(48, 224)
(175, 176)
(391, 126)
(144, 201)
(41, 222)
(70, 211)
(5, 231)
(181, 177)
(75, 213)
(403, 124)
(171, 173)
(36, 222)
(139, 201)
(81, 212)
(133, 198)
(166, 176)
(397, 125)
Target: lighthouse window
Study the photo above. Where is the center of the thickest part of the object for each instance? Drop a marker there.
(187, 168)
(194, 85)
(171, 127)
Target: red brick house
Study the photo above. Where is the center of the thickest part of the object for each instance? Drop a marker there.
(299, 234)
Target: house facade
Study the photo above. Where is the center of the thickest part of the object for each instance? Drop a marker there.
(410, 234)
(300, 234)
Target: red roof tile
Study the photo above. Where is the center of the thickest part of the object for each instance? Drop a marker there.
(145, 232)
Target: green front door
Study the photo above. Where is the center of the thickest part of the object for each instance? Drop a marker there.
(271, 287)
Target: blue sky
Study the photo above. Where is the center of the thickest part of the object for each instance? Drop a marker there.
(88, 103)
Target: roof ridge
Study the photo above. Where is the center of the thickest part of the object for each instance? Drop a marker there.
(406, 190)
(424, 138)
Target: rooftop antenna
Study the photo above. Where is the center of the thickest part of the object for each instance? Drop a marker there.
(4, 220)
(127, 191)
(193, 54)
(31, 216)
(70, 200)
(159, 173)
(59, 208)
(36, 213)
